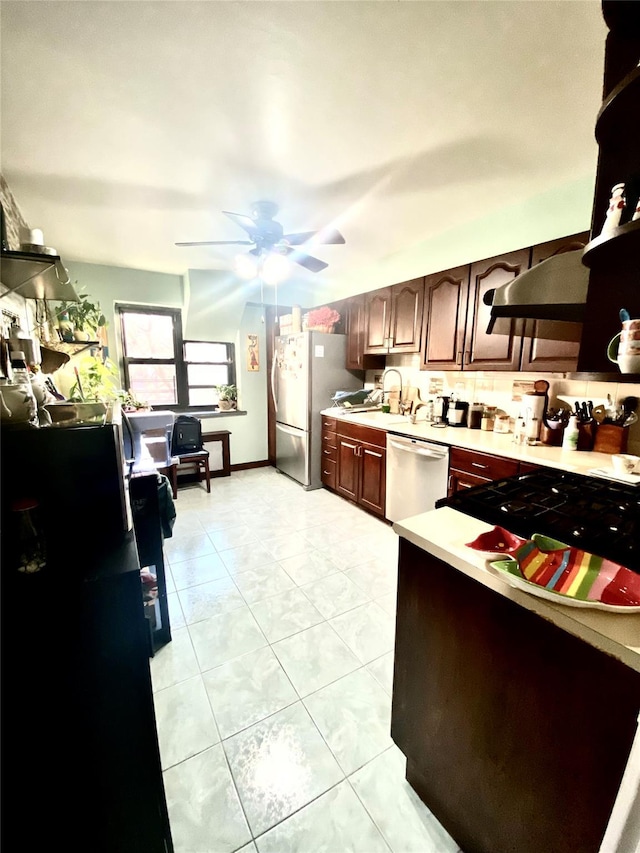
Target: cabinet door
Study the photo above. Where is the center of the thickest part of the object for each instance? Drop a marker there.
(357, 359)
(406, 316)
(372, 478)
(492, 352)
(355, 333)
(445, 307)
(348, 463)
(378, 320)
(550, 345)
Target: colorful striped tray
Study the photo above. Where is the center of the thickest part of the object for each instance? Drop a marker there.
(555, 571)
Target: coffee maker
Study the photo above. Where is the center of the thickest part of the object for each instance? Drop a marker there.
(440, 409)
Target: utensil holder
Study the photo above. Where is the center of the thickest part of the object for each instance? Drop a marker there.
(611, 439)
(551, 436)
(586, 436)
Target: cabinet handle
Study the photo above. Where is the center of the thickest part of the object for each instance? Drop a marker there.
(328, 452)
(478, 465)
(459, 357)
(449, 486)
(462, 485)
(328, 473)
(371, 453)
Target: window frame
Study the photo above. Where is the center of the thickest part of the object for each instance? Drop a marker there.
(179, 361)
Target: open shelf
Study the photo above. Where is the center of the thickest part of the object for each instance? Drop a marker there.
(35, 276)
(617, 249)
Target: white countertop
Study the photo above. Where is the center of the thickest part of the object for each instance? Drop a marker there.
(444, 532)
(499, 444)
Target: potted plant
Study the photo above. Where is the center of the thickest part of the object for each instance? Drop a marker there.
(86, 317)
(227, 397)
(99, 382)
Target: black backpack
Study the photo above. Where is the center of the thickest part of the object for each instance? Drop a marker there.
(186, 436)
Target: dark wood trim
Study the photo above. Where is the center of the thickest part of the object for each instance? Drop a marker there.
(244, 466)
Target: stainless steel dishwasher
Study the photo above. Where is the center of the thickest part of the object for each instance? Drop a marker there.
(417, 474)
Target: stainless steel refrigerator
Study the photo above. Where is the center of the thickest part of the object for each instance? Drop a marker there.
(308, 368)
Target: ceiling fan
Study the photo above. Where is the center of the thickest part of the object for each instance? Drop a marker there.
(267, 236)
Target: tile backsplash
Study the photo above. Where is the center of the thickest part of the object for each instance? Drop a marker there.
(498, 389)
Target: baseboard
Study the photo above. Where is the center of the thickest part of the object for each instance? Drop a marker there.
(243, 466)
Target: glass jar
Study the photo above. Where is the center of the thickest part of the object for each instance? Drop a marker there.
(475, 415)
(501, 423)
(488, 418)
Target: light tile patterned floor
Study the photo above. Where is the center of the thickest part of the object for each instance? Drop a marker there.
(273, 699)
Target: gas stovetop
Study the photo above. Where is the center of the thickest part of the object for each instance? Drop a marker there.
(586, 512)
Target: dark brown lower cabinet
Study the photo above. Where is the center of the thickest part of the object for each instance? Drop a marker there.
(361, 466)
(516, 733)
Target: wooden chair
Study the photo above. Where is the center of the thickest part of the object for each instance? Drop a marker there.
(187, 446)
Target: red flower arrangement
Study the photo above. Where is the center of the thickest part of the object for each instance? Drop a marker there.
(323, 319)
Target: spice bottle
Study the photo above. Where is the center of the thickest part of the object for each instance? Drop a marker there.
(571, 433)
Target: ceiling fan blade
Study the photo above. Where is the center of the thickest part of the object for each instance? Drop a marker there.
(218, 243)
(306, 261)
(327, 237)
(245, 222)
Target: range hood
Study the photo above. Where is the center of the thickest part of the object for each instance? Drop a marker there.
(555, 289)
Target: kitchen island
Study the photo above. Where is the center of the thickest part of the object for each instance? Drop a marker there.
(516, 714)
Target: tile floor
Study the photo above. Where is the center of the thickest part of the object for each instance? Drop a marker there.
(273, 698)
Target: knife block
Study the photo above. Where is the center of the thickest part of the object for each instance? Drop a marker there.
(611, 439)
(587, 435)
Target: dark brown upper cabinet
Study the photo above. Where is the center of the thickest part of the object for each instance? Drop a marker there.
(356, 327)
(550, 345)
(393, 318)
(481, 350)
(445, 310)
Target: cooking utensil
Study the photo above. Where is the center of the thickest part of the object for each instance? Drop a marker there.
(624, 315)
(80, 391)
(629, 406)
(599, 413)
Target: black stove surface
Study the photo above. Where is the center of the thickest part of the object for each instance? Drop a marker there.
(587, 512)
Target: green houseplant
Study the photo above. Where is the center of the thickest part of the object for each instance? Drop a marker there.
(227, 397)
(85, 316)
(99, 382)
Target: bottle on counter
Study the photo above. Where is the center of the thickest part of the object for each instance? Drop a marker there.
(532, 430)
(22, 377)
(571, 433)
(19, 368)
(519, 431)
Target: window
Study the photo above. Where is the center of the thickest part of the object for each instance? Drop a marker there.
(208, 364)
(162, 369)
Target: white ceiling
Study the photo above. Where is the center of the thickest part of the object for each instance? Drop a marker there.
(128, 126)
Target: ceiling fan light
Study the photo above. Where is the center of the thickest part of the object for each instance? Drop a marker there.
(275, 268)
(246, 266)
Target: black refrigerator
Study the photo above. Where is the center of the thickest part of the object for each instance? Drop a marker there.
(81, 762)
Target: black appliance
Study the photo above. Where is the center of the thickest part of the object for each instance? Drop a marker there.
(586, 512)
(76, 683)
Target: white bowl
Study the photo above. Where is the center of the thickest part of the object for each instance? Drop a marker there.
(625, 463)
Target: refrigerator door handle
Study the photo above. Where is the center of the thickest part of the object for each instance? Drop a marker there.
(273, 383)
(289, 430)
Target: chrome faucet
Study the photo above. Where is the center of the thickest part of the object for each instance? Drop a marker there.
(384, 376)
